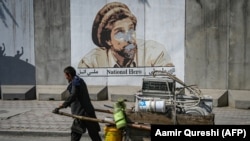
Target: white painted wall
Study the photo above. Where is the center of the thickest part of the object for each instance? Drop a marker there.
(17, 28)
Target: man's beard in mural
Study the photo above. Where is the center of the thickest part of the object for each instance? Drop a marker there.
(128, 52)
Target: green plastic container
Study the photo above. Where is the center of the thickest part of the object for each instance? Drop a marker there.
(120, 119)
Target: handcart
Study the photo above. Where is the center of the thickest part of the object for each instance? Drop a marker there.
(159, 102)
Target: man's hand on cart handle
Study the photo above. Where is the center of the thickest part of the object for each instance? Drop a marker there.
(56, 110)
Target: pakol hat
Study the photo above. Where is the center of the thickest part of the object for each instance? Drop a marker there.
(103, 20)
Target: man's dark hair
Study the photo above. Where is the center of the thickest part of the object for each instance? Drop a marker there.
(70, 70)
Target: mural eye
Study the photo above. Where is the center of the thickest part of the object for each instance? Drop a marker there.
(120, 36)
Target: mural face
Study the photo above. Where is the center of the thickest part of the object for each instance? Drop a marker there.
(114, 34)
(121, 38)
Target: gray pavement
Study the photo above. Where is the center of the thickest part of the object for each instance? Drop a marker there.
(33, 117)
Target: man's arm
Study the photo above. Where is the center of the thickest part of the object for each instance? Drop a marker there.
(70, 99)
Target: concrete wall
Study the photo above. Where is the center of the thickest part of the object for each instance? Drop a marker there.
(206, 49)
(239, 45)
(52, 40)
(217, 44)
